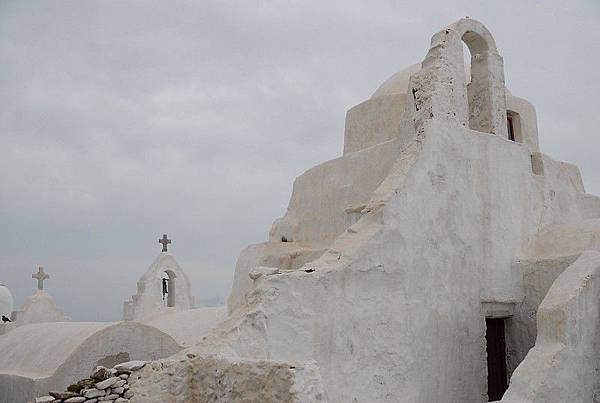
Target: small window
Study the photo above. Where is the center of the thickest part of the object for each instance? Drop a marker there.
(511, 127)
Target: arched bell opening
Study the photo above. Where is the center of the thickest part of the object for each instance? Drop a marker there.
(476, 54)
(168, 288)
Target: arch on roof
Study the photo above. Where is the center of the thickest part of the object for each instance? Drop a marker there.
(477, 37)
(440, 90)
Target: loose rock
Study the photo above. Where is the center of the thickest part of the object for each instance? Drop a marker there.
(62, 395)
(130, 365)
(107, 383)
(101, 373)
(83, 384)
(92, 393)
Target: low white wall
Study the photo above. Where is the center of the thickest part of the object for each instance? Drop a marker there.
(37, 376)
(563, 365)
(373, 122)
(521, 329)
(327, 197)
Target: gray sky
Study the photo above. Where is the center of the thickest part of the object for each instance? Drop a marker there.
(123, 120)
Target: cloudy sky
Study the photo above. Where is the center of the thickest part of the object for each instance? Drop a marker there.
(123, 120)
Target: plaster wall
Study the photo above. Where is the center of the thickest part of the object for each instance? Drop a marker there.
(373, 122)
(6, 301)
(189, 327)
(537, 277)
(149, 301)
(563, 365)
(39, 308)
(392, 311)
(589, 205)
(398, 318)
(327, 197)
(285, 255)
(526, 130)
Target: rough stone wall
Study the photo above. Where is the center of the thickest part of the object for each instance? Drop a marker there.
(103, 385)
(196, 379)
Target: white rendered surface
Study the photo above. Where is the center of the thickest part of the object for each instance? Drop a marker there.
(6, 301)
(149, 301)
(378, 279)
(189, 327)
(41, 357)
(39, 308)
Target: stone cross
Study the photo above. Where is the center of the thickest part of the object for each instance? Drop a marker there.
(164, 242)
(40, 276)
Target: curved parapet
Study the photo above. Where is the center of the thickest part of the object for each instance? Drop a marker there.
(41, 357)
(563, 365)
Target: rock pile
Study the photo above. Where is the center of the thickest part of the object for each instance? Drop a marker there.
(104, 385)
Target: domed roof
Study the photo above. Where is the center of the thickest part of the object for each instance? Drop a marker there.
(6, 300)
(398, 82)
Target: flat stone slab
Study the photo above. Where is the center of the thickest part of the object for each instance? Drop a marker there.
(107, 383)
(44, 399)
(63, 395)
(92, 393)
(130, 365)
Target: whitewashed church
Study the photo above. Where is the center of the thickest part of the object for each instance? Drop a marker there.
(442, 258)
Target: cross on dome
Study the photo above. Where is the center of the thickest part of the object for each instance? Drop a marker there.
(40, 276)
(164, 241)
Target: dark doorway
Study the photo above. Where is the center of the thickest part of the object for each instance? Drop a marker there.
(496, 358)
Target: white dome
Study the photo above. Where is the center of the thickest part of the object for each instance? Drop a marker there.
(398, 83)
(6, 301)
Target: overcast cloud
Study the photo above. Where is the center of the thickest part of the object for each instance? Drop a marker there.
(120, 121)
